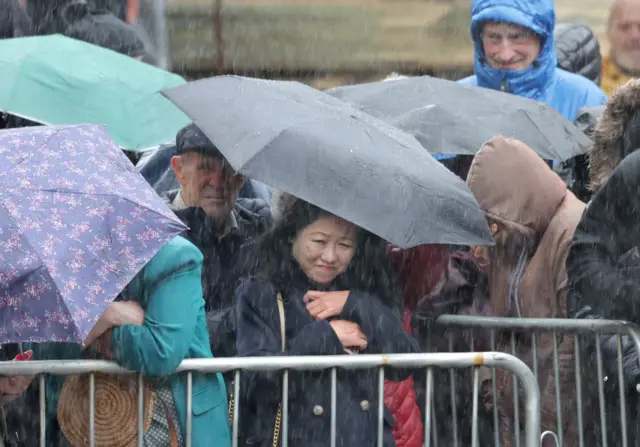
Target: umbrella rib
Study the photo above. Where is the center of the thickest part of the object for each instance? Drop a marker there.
(257, 153)
(526, 113)
(440, 195)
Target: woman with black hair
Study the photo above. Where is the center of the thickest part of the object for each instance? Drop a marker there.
(327, 286)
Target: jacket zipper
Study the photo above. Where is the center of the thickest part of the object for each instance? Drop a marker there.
(505, 86)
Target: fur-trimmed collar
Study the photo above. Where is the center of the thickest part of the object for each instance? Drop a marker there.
(605, 153)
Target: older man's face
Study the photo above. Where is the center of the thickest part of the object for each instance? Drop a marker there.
(207, 182)
(508, 46)
(624, 35)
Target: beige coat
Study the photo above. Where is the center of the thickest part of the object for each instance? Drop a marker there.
(536, 216)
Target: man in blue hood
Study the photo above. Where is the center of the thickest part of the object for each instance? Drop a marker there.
(515, 52)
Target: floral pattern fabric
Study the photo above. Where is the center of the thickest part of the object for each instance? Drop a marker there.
(77, 222)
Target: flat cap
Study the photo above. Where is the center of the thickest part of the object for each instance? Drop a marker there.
(191, 139)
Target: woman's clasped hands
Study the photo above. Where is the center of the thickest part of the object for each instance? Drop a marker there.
(325, 305)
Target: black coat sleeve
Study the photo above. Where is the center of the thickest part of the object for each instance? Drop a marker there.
(382, 326)
(258, 334)
(603, 280)
(604, 265)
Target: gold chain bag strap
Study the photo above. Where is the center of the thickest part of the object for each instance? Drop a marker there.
(276, 427)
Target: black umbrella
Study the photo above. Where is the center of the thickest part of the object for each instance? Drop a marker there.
(320, 149)
(451, 118)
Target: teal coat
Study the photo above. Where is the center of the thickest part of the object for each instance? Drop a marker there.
(169, 289)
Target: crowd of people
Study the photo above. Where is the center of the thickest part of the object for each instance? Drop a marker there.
(260, 272)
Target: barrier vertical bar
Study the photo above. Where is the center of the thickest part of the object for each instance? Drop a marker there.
(601, 378)
(474, 414)
(454, 401)
(516, 403)
(494, 396)
(189, 424)
(92, 409)
(141, 411)
(381, 406)
(623, 401)
(556, 376)
(434, 423)
(43, 410)
(284, 435)
(428, 407)
(579, 391)
(534, 348)
(334, 393)
(236, 408)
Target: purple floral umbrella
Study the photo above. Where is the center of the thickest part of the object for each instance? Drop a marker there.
(77, 222)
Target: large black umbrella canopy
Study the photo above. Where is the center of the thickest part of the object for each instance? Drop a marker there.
(451, 118)
(304, 142)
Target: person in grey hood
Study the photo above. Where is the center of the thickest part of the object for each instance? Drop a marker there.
(223, 228)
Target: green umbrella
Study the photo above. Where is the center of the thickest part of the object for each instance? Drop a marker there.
(59, 80)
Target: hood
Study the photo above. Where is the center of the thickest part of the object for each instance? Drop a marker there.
(536, 15)
(515, 186)
(617, 133)
(578, 50)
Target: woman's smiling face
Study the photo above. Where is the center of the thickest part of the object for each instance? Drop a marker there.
(325, 248)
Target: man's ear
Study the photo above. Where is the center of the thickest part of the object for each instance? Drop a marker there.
(177, 166)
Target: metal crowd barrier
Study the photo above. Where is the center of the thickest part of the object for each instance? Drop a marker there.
(429, 362)
(471, 326)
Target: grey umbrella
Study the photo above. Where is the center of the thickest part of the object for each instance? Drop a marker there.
(304, 142)
(450, 118)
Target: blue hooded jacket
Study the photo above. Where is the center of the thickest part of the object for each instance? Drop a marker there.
(543, 81)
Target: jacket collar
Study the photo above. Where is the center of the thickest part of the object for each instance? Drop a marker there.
(613, 138)
(613, 71)
(532, 82)
(197, 216)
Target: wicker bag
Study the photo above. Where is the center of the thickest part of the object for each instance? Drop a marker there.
(116, 410)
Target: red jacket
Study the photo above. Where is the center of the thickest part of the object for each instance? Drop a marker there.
(400, 399)
(419, 269)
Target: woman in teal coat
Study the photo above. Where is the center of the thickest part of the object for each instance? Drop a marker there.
(160, 323)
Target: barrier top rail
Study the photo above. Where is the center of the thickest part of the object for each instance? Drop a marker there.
(620, 327)
(427, 361)
(275, 363)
